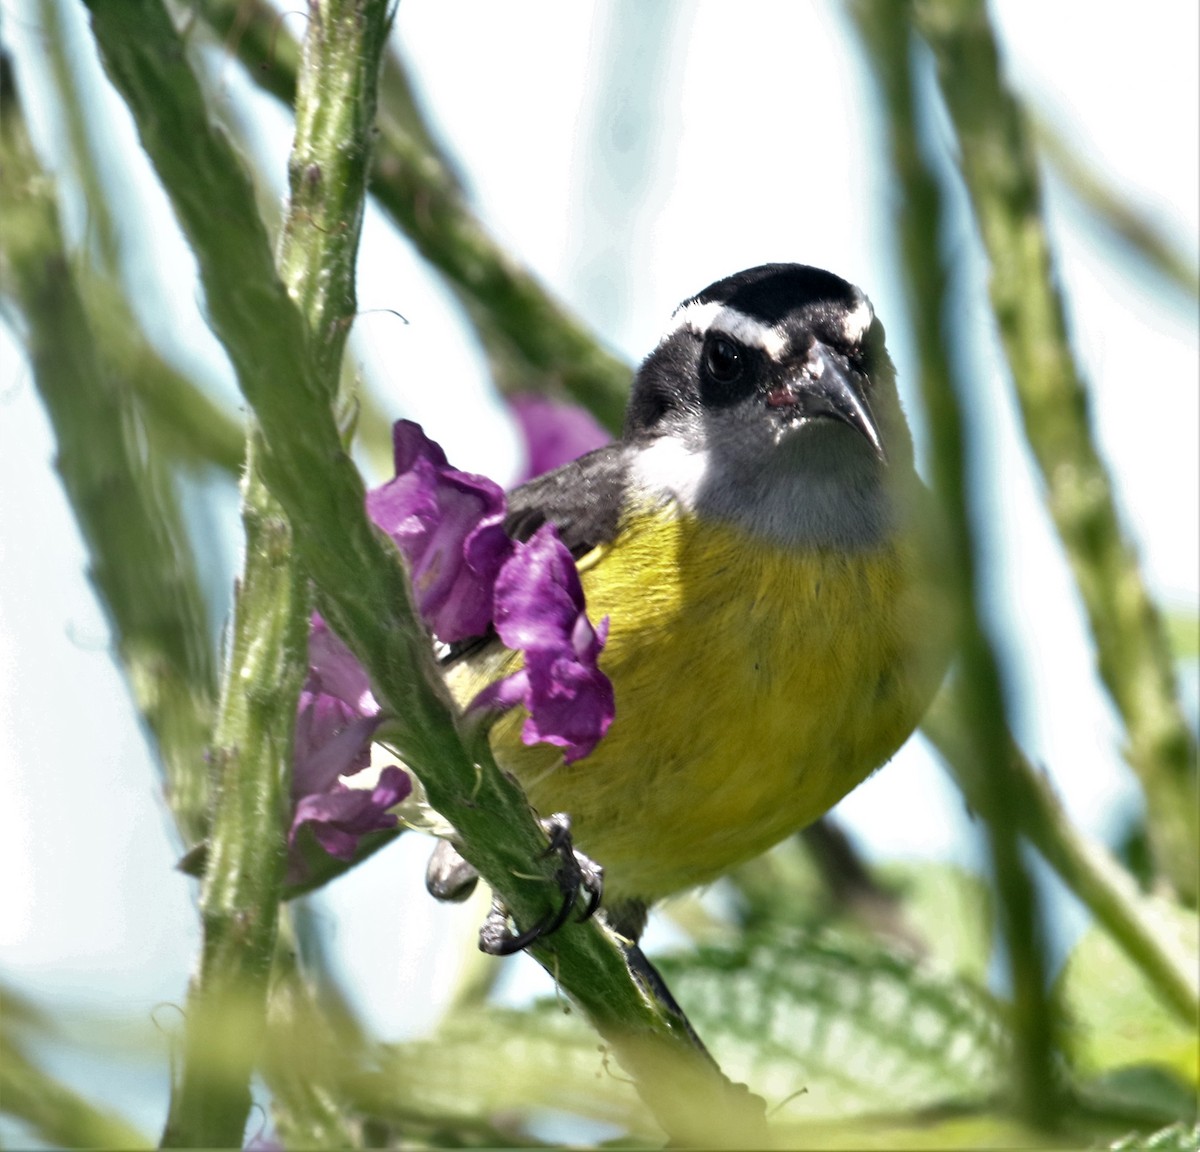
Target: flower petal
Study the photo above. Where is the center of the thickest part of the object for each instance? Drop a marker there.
(331, 741)
(554, 432)
(449, 525)
(334, 669)
(340, 816)
(540, 610)
(570, 704)
(538, 593)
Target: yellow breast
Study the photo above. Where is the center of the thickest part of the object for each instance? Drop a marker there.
(754, 688)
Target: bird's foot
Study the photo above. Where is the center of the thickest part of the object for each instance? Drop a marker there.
(577, 875)
(450, 877)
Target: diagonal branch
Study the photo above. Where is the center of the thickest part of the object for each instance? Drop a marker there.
(531, 339)
(1000, 169)
(362, 588)
(982, 769)
(140, 561)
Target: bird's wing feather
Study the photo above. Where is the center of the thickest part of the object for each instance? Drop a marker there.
(581, 499)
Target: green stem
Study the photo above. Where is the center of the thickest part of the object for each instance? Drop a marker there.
(532, 340)
(307, 1060)
(1088, 870)
(81, 148)
(982, 770)
(336, 96)
(239, 898)
(140, 559)
(335, 110)
(243, 880)
(362, 586)
(1152, 245)
(1000, 169)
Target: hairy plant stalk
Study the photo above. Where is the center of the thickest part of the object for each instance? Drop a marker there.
(983, 768)
(247, 848)
(1134, 225)
(252, 752)
(532, 341)
(140, 560)
(362, 587)
(1000, 169)
(1091, 872)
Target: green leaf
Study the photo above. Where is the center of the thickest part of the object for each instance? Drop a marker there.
(1183, 633)
(950, 909)
(1116, 1021)
(828, 1026)
(1176, 1138)
(497, 1062)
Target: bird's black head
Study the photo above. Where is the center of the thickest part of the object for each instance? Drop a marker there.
(783, 345)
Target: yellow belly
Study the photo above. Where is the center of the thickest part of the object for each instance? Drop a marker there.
(754, 688)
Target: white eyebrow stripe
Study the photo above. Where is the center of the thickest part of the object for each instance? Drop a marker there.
(697, 316)
(857, 322)
(714, 316)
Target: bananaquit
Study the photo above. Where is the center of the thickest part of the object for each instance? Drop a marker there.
(755, 539)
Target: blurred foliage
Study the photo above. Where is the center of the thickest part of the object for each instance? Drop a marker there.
(38, 1100)
(856, 1002)
(1183, 628)
(1114, 1017)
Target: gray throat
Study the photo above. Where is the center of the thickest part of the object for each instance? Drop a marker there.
(806, 509)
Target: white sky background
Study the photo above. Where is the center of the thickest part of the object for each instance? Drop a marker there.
(766, 149)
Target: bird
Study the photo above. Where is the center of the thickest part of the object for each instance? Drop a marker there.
(759, 540)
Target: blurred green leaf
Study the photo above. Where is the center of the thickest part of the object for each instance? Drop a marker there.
(1146, 1094)
(1183, 633)
(936, 911)
(855, 1028)
(950, 910)
(782, 886)
(827, 1027)
(917, 1131)
(1176, 1138)
(499, 1066)
(1116, 1020)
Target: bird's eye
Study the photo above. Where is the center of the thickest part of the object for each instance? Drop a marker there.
(723, 359)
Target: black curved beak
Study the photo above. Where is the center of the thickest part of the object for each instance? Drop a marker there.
(829, 387)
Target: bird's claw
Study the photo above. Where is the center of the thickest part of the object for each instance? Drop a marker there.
(576, 874)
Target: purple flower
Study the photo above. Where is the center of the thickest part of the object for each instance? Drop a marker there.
(331, 741)
(554, 433)
(335, 720)
(540, 611)
(449, 525)
(467, 575)
(337, 715)
(341, 815)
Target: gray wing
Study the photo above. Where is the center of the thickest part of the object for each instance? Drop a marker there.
(581, 499)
